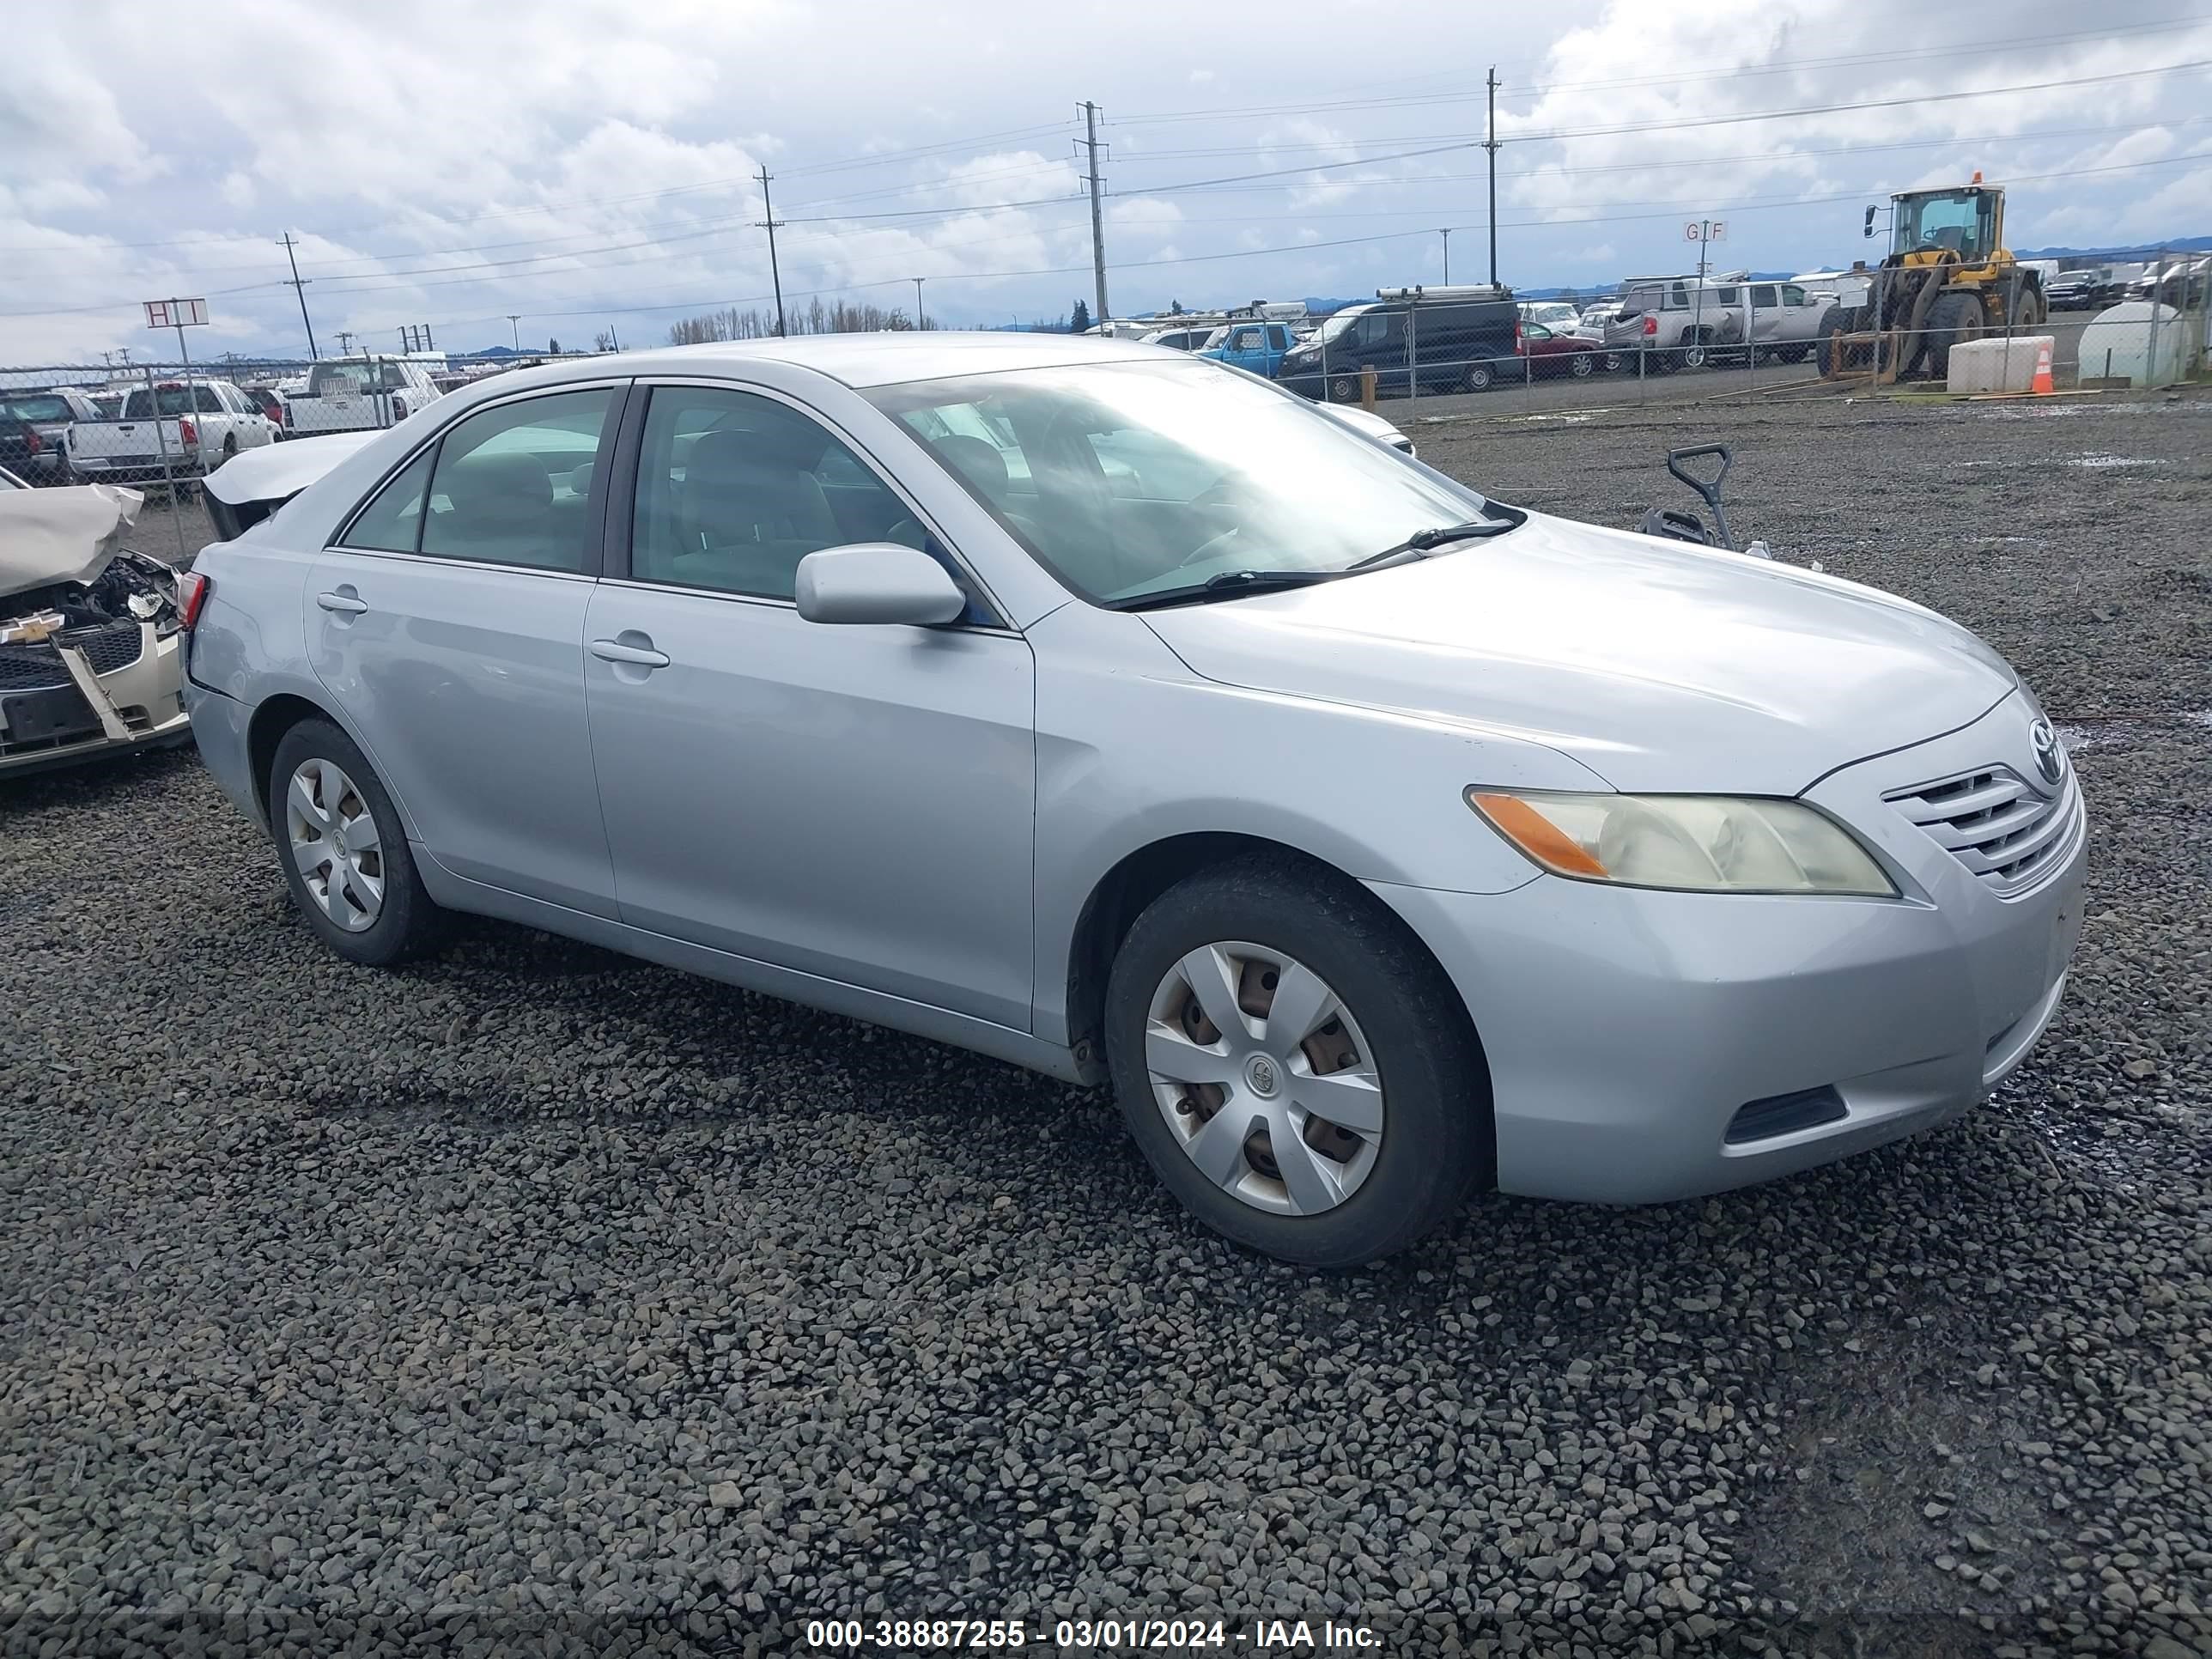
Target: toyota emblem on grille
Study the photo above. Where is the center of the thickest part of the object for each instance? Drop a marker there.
(2049, 753)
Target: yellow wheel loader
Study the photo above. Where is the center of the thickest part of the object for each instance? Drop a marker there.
(1949, 278)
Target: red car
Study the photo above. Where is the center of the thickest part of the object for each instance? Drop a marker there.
(1550, 353)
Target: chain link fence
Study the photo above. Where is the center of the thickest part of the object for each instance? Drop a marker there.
(1699, 341)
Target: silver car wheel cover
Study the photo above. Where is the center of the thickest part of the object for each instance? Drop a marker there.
(1240, 1091)
(335, 844)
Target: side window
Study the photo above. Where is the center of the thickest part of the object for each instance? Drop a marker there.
(1245, 339)
(1793, 295)
(393, 522)
(1279, 338)
(1764, 295)
(1677, 297)
(733, 490)
(1728, 296)
(512, 484)
(205, 401)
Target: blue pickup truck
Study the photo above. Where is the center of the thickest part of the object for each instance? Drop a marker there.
(1257, 346)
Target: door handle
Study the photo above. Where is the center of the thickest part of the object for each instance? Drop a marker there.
(342, 602)
(641, 656)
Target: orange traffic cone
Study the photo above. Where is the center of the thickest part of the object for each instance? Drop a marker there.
(2041, 385)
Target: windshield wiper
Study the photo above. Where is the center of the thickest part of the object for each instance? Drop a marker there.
(1422, 542)
(1227, 585)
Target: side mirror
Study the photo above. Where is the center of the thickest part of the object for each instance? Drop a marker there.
(1870, 220)
(875, 582)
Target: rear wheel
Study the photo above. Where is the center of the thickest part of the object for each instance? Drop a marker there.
(1299, 1075)
(1343, 389)
(1581, 363)
(345, 852)
(1478, 376)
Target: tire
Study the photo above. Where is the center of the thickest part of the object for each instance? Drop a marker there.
(1343, 389)
(1694, 354)
(1953, 319)
(1478, 376)
(401, 923)
(1615, 362)
(1581, 364)
(1792, 353)
(1394, 1018)
(229, 451)
(2032, 312)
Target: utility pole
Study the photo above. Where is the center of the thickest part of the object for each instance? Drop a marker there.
(298, 286)
(1446, 234)
(345, 342)
(776, 274)
(1489, 144)
(514, 326)
(1098, 231)
(917, 303)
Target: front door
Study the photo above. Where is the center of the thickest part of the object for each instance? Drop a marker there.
(447, 625)
(850, 802)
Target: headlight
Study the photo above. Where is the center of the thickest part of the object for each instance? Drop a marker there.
(1691, 843)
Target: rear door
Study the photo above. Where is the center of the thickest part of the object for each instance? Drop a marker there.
(448, 624)
(851, 802)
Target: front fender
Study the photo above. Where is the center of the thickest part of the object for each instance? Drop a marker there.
(1134, 748)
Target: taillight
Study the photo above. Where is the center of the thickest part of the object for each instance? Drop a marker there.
(187, 434)
(192, 591)
(1520, 342)
(1651, 326)
(37, 442)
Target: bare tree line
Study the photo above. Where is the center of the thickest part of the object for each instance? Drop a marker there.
(838, 317)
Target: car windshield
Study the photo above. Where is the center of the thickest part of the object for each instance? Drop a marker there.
(1334, 328)
(174, 400)
(1958, 220)
(1129, 478)
(351, 377)
(46, 408)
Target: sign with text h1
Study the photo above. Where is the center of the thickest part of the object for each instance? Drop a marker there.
(175, 313)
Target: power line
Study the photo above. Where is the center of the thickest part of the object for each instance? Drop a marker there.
(1978, 48)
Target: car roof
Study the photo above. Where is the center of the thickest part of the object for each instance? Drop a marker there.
(857, 359)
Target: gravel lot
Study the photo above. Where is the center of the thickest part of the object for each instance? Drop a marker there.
(535, 1296)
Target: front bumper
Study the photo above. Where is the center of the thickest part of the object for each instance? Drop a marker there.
(1626, 1028)
(55, 723)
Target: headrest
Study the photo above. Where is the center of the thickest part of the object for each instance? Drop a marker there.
(498, 492)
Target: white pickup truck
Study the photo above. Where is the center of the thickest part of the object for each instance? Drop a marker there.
(200, 426)
(359, 394)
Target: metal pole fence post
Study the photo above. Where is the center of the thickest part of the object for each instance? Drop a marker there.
(1325, 396)
(2157, 286)
(169, 475)
(1412, 353)
(1751, 329)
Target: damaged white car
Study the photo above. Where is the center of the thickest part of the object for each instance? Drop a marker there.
(91, 632)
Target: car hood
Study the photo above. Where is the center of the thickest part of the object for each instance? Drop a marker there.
(1658, 664)
(276, 472)
(66, 535)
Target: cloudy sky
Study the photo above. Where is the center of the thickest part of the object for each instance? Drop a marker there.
(588, 164)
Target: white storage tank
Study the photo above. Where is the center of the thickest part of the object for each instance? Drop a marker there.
(1997, 365)
(2141, 342)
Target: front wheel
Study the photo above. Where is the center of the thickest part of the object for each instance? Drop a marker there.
(345, 850)
(1343, 389)
(1581, 364)
(1298, 1073)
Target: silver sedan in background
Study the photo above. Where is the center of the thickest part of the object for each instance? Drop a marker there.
(1129, 719)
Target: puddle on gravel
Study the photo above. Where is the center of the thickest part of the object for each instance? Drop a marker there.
(2117, 733)
(2101, 463)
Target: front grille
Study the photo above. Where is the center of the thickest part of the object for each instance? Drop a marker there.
(107, 647)
(1782, 1115)
(110, 647)
(1997, 824)
(29, 667)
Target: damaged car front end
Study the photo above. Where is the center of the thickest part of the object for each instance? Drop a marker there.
(91, 632)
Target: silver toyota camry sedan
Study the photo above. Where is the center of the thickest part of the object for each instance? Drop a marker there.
(1127, 717)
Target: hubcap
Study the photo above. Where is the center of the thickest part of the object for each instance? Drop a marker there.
(1265, 1079)
(334, 844)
